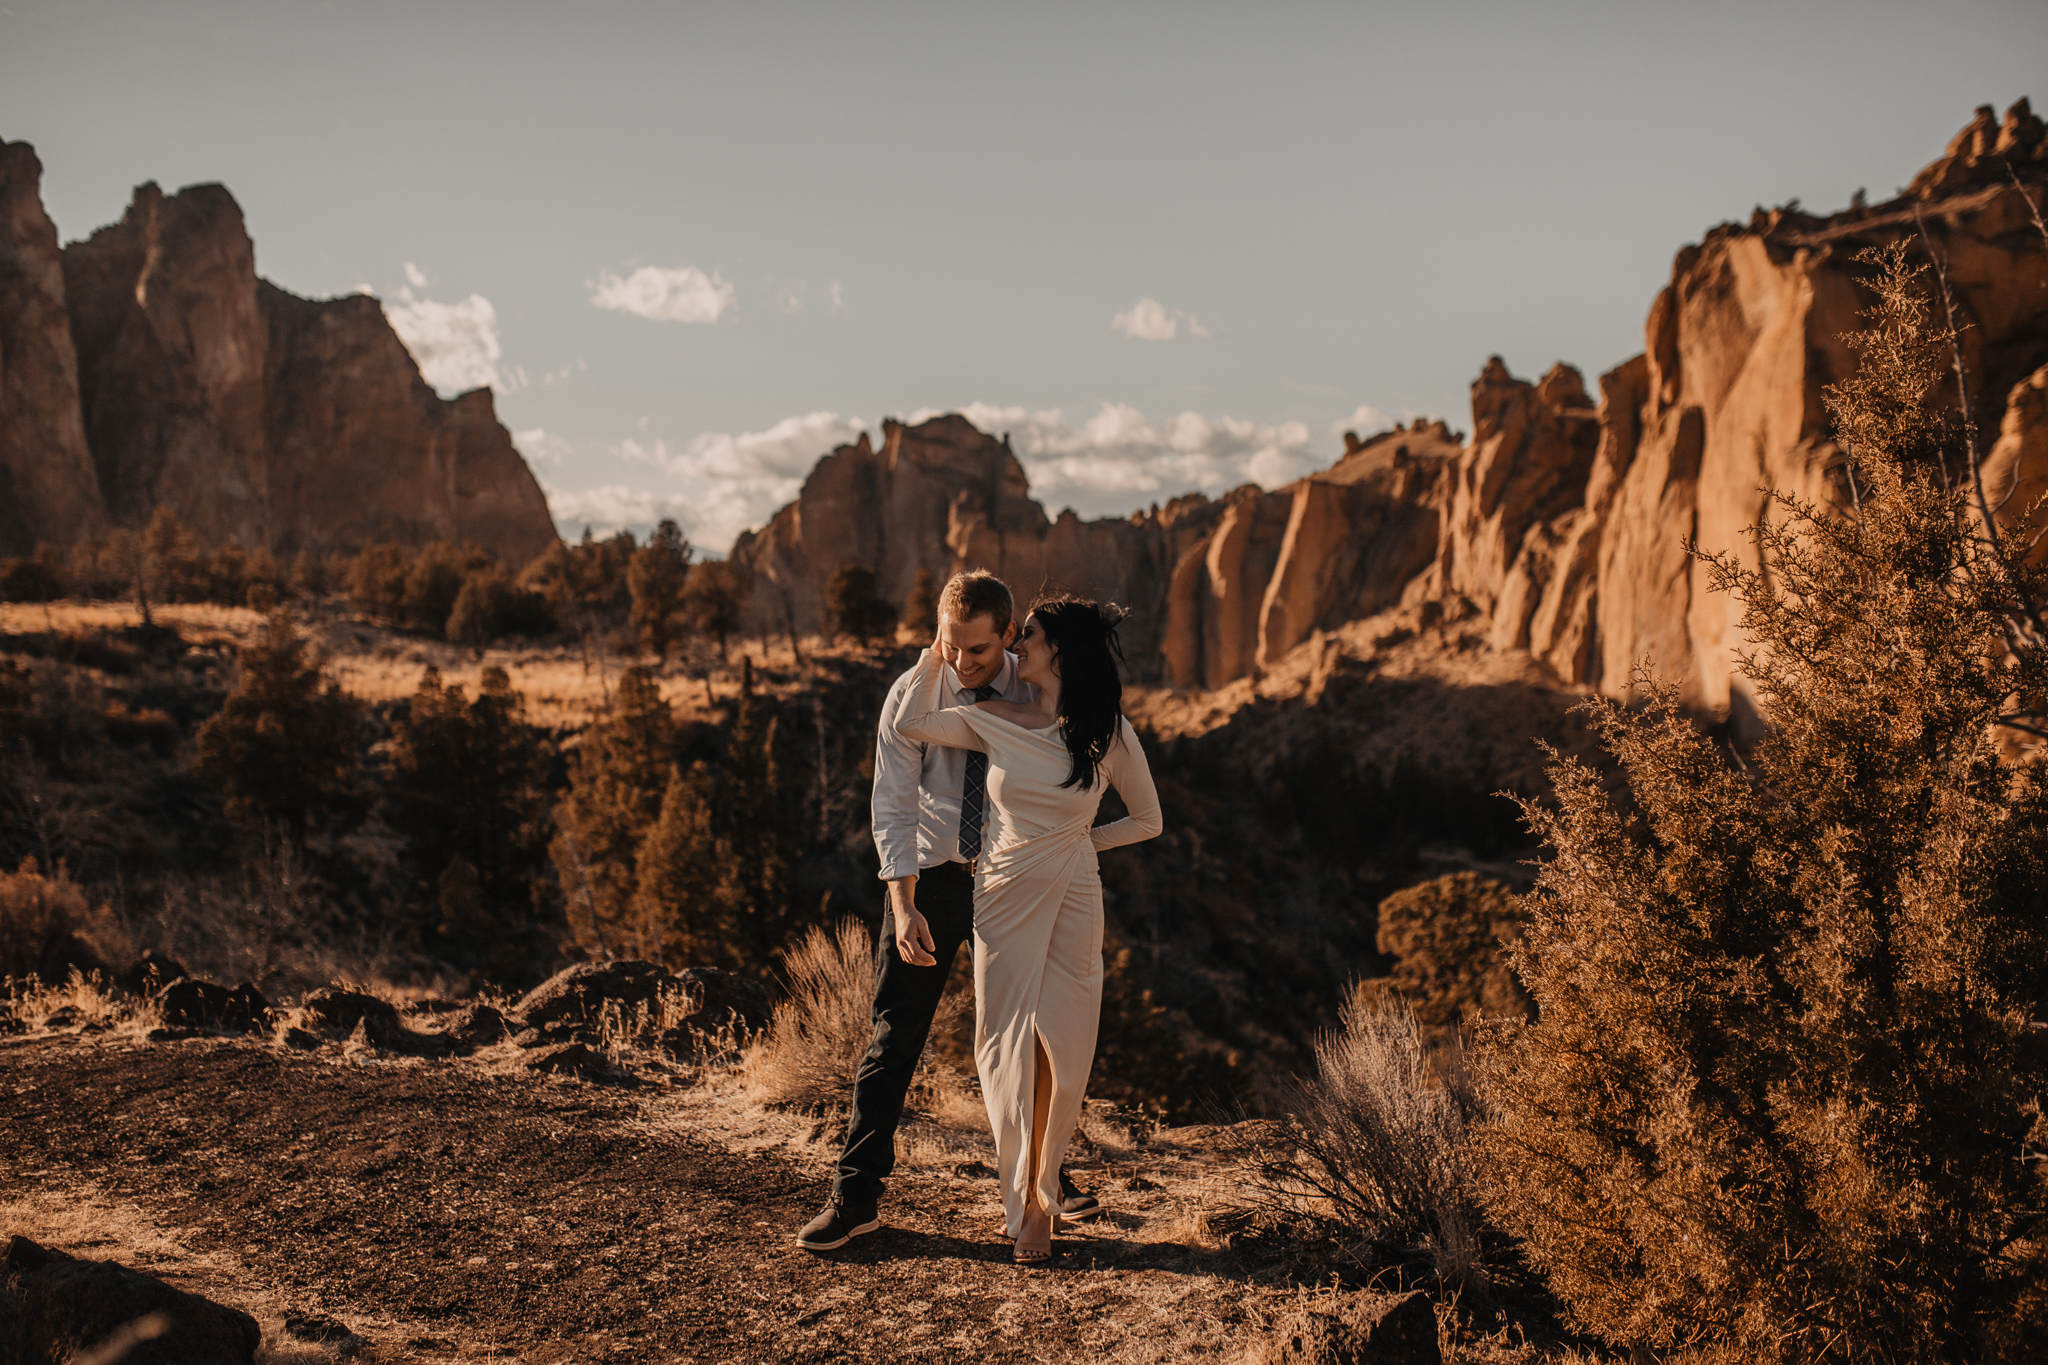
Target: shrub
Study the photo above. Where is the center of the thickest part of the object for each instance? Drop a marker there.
(853, 606)
(814, 1042)
(1449, 939)
(377, 580)
(1783, 1096)
(285, 743)
(1376, 1148)
(47, 926)
(434, 582)
(485, 610)
(40, 577)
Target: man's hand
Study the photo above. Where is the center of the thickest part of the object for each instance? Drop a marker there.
(913, 935)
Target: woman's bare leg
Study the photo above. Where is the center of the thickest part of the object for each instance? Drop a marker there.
(1036, 1235)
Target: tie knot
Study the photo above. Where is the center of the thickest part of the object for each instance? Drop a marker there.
(984, 692)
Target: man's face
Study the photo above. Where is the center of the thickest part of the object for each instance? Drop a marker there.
(974, 648)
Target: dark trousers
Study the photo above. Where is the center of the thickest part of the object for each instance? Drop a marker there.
(906, 997)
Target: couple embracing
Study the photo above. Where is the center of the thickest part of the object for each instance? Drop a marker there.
(992, 757)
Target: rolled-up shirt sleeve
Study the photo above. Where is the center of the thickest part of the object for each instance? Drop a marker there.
(1131, 775)
(899, 763)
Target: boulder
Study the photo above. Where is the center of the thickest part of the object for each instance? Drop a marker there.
(719, 998)
(322, 1330)
(476, 1025)
(190, 1002)
(1369, 1329)
(70, 1310)
(335, 1010)
(565, 1059)
(151, 973)
(576, 996)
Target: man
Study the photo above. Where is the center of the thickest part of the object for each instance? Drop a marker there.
(930, 810)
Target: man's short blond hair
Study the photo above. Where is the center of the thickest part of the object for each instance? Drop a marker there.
(979, 593)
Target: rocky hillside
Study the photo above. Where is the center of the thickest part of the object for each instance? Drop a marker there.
(1563, 520)
(149, 365)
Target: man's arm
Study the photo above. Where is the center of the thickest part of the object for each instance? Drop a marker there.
(899, 765)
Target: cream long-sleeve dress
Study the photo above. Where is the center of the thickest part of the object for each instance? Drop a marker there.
(1037, 920)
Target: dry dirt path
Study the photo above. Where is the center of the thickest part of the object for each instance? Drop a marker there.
(447, 1212)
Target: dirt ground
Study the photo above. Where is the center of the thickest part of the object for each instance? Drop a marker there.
(449, 1211)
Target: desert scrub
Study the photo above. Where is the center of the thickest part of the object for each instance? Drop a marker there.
(814, 1042)
(82, 999)
(1374, 1152)
(1781, 1101)
(1450, 939)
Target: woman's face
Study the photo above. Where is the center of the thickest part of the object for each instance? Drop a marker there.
(1037, 660)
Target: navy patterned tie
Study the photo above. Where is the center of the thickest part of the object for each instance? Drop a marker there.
(974, 795)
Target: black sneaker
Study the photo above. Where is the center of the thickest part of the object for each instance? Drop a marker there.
(1075, 1202)
(836, 1226)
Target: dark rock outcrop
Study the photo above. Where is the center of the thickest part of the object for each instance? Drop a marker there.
(190, 1002)
(336, 1011)
(67, 1310)
(575, 997)
(257, 416)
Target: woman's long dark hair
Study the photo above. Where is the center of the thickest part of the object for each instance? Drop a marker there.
(1091, 688)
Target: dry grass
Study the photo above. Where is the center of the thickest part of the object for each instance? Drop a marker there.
(1376, 1149)
(808, 1054)
(89, 1002)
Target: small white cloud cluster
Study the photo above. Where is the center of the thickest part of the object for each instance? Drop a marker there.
(681, 294)
(722, 483)
(1150, 320)
(454, 344)
(1119, 459)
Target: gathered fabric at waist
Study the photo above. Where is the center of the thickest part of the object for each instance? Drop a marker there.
(1016, 857)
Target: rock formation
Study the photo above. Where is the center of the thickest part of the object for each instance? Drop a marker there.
(255, 415)
(1564, 523)
(48, 490)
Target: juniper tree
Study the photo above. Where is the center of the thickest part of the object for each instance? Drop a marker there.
(617, 779)
(285, 744)
(1782, 1098)
(656, 578)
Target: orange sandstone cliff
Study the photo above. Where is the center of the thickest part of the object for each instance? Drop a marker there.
(149, 366)
(1563, 523)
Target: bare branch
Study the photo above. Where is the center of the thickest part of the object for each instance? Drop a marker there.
(2032, 207)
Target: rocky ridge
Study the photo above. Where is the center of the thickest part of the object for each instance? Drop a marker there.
(1563, 520)
(149, 365)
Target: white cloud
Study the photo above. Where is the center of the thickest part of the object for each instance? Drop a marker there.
(415, 276)
(1120, 459)
(838, 297)
(1150, 320)
(541, 449)
(684, 294)
(455, 344)
(719, 483)
(1365, 419)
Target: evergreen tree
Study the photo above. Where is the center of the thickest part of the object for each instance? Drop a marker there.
(1782, 1100)
(617, 780)
(753, 829)
(656, 578)
(286, 742)
(855, 608)
(713, 600)
(682, 912)
(466, 786)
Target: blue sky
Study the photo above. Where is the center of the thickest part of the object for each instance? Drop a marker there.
(1166, 246)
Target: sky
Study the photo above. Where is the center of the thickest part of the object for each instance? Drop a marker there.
(1167, 247)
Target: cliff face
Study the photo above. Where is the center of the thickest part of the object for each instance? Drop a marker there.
(1563, 523)
(48, 489)
(255, 415)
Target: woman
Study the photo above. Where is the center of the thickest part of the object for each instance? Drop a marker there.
(1037, 898)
